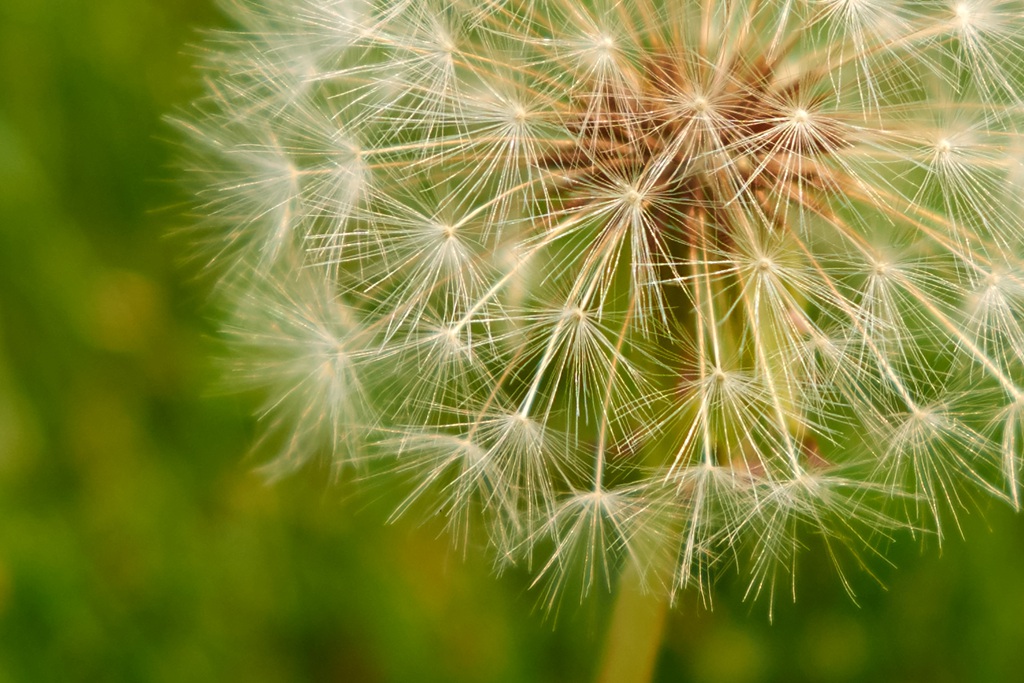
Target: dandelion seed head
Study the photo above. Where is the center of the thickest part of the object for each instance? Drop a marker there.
(653, 283)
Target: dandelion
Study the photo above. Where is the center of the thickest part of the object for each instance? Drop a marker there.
(656, 287)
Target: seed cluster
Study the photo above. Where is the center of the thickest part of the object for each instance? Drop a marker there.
(665, 283)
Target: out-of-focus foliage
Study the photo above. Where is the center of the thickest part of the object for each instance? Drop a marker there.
(136, 544)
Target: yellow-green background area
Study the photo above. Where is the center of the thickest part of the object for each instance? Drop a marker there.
(136, 544)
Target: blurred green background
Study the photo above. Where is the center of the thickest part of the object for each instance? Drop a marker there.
(136, 544)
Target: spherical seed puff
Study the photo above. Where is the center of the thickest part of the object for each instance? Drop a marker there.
(660, 282)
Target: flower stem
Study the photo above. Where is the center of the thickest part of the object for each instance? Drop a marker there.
(634, 638)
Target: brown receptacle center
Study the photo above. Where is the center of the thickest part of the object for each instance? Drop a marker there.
(699, 149)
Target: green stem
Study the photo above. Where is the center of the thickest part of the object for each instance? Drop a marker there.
(634, 638)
